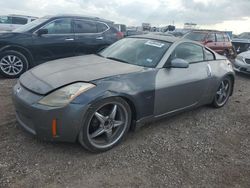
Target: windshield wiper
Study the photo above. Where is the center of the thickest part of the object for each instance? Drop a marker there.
(116, 59)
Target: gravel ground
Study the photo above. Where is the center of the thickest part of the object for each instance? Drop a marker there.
(203, 148)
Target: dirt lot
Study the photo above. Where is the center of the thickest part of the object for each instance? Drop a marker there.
(203, 148)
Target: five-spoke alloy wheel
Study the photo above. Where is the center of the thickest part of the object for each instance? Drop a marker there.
(12, 64)
(105, 124)
(223, 92)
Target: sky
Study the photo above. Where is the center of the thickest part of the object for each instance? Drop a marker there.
(231, 15)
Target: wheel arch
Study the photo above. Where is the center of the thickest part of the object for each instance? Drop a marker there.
(19, 49)
(232, 77)
(132, 107)
(129, 99)
(125, 97)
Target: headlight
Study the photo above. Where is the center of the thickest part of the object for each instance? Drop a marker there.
(240, 58)
(65, 95)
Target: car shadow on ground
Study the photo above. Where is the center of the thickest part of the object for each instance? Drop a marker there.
(172, 118)
(243, 75)
(133, 135)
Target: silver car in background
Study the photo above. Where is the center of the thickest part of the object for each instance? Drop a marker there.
(11, 22)
(242, 62)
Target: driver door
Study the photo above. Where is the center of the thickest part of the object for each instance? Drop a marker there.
(59, 42)
(181, 88)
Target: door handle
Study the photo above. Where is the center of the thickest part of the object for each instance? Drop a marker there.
(99, 38)
(69, 39)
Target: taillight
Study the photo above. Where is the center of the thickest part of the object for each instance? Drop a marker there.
(119, 35)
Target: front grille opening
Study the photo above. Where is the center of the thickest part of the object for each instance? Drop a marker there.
(247, 61)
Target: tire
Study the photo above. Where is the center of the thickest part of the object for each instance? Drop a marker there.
(102, 129)
(223, 92)
(13, 64)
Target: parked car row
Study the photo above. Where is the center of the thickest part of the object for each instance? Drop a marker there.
(11, 22)
(53, 37)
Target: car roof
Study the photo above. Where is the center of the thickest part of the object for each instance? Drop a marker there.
(24, 16)
(164, 38)
(78, 16)
(206, 31)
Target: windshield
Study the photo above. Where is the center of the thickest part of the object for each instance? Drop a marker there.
(141, 52)
(196, 36)
(244, 36)
(30, 25)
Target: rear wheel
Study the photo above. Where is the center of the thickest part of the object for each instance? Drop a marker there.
(106, 123)
(223, 93)
(13, 64)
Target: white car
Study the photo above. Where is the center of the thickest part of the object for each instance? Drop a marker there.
(242, 62)
(11, 22)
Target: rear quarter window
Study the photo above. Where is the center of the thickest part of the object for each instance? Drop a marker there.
(209, 56)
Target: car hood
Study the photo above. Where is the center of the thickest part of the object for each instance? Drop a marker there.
(54, 74)
(240, 40)
(7, 35)
(245, 54)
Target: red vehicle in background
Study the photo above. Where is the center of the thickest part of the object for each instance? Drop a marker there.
(216, 40)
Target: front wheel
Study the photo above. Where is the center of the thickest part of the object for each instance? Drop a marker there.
(223, 93)
(106, 123)
(13, 64)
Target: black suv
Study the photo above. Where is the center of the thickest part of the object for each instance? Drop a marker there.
(54, 37)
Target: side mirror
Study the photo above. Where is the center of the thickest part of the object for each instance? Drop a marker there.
(179, 63)
(41, 32)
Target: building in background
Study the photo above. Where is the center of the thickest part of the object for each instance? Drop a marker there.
(190, 26)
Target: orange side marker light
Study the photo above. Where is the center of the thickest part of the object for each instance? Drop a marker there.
(54, 128)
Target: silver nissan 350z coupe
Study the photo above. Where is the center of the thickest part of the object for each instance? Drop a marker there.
(95, 99)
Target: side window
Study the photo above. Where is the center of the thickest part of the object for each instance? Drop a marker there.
(60, 26)
(84, 26)
(209, 56)
(220, 37)
(190, 52)
(101, 27)
(211, 37)
(226, 38)
(18, 20)
(5, 19)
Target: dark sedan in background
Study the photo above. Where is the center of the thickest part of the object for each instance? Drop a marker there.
(53, 37)
(95, 98)
(242, 42)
